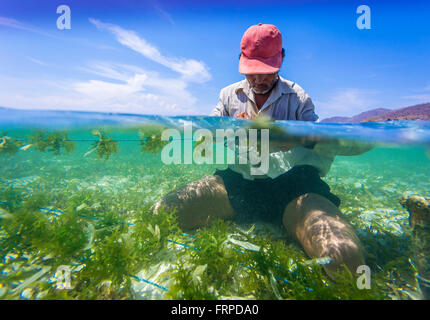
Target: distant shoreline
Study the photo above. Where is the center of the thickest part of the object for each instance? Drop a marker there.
(416, 112)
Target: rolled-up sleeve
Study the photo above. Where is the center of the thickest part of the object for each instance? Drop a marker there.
(220, 110)
(306, 110)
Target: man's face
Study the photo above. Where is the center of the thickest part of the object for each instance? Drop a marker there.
(262, 83)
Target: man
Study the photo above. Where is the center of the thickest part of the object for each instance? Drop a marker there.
(292, 192)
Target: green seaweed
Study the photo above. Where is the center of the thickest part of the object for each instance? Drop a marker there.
(105, 146)
(52, 142)
(215, 269)
(150, 139)
(214, 253)
(107, 234)
(187, 285)
(29, 229)
(117, 250)
(9, 145)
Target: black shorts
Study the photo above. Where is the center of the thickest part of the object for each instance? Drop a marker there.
(266, 199)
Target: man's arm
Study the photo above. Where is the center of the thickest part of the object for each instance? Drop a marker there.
(306, 109)
(324, 147)
(342, 148)
(220, 110)
(331, 148)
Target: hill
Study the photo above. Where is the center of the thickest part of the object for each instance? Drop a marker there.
(416, 112)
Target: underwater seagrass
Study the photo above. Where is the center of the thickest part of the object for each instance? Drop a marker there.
(97, 219)
(419, 220)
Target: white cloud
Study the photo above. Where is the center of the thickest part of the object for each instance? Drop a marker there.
(347, 102)
(117, 88)
(192, 70)
(124, 88)
(163, 13)
(37, 61)
(421, 95)
(138, 86)
(15, 24)
(417, 98)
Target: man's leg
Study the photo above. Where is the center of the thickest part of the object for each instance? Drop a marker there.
(199, 202)
(315, 222)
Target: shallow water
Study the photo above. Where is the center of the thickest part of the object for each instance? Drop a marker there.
(91, 215)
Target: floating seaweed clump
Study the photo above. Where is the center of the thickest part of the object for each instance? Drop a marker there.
(105, 146)
(150, 139)
(53, 142)
(9, 145)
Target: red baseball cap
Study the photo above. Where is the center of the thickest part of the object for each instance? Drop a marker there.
(261, 50)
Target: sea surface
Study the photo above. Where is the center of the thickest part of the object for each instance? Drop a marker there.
(76, 222)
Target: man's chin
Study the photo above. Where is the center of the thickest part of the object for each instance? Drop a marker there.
(261, 91)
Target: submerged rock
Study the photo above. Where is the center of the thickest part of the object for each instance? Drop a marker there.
(419, 220)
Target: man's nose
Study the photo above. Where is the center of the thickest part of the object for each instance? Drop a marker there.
(259, 78)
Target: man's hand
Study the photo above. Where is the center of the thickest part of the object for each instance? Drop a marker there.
(243, 116)
(291, 142)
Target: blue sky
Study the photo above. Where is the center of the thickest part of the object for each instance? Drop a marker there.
(173, 57)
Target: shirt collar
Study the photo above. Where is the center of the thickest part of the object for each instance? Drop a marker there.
(280, 88)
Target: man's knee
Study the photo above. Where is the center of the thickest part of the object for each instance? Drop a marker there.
(299, 209)
(318, 225)
(197, 202)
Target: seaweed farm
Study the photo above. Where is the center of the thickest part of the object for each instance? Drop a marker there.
(78, 200)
